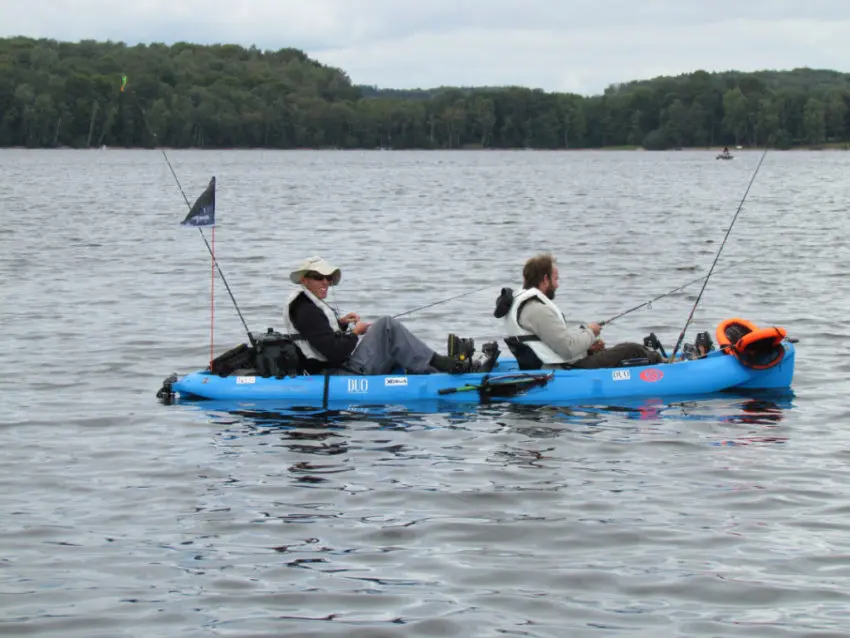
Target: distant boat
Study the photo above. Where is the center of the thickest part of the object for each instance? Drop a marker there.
(726, 155)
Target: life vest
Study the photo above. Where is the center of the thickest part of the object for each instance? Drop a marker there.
(306, 349)
(756, 348)
(530, 352)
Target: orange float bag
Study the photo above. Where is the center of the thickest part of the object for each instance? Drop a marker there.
(754, 347)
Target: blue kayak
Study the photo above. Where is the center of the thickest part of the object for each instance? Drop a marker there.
(718, 371)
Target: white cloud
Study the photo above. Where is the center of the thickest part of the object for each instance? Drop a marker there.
(567, 45)
(588, 60)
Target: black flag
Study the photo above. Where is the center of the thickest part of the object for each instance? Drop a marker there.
(203, 211)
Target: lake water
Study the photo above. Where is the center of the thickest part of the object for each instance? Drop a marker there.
(726, 516)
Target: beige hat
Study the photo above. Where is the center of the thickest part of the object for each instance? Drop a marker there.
(315, 264)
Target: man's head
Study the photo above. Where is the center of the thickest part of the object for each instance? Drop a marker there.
(541, 272)
(316, 275)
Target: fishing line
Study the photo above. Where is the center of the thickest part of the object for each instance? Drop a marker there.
(667, 294)
(714, 263)
(437, 303)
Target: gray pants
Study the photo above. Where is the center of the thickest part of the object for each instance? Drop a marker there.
(388, 345)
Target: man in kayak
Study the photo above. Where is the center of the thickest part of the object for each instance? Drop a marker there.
(346, 344)
(538, 334)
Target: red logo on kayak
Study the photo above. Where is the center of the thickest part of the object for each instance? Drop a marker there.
(652, 375)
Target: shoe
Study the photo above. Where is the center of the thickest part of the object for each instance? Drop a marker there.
(459, 359)
(491, 355)
(460, 349)
(691, 352)
(703, 344)
(442, 363)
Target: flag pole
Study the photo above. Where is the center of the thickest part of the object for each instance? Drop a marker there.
(223, 279)
(212, 298)
(202, 213)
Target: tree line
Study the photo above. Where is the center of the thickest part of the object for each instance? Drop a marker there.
(62, 94)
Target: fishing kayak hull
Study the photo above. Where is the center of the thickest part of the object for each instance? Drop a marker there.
(714, 373)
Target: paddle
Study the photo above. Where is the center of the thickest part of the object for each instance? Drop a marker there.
(507, 385)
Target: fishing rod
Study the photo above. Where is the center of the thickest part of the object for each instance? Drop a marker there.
(437, 303)
(716, 257)
(189, 205)
(667, 294)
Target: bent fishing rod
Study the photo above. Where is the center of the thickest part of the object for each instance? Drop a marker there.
(186, 199)
(716, 257)
(668, 293)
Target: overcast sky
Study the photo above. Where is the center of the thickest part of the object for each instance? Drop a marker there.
(556, 45)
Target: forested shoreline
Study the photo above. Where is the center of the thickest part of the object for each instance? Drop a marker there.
(63, 94)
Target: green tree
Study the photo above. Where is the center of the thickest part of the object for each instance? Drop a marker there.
(484, 113)
(736, 114)
(767, 120)
(676, 123)
(814, 125)
(835, 113)
(62, 93)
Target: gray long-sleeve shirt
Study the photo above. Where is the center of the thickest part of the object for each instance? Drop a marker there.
(570, 342)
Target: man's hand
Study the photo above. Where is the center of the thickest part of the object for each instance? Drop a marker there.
(595, 328)
(596, 346)
(351, 317)
(360, 328)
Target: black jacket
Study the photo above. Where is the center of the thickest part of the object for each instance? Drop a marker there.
(312, 324)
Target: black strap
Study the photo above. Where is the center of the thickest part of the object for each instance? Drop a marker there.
(325, 391)
(525, 356)
(523, 338)
(522, 305)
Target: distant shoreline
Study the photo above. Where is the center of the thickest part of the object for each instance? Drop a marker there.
(833, 146)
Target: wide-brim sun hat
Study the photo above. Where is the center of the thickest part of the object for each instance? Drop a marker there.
(315, 264)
